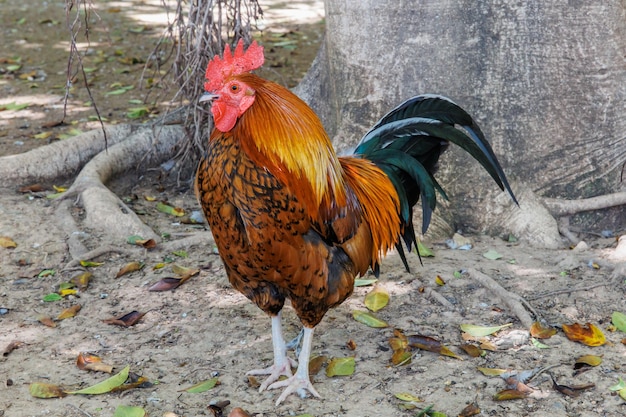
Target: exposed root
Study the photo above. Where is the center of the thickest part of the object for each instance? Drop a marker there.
(565, 230)
(103, 250)
(559, 207)
(196, 239)
(66, 222)
(516, 304)
(567, 291)
(62, 158)
(105, 212)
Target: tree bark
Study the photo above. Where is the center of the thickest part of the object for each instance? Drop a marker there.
(545, 80)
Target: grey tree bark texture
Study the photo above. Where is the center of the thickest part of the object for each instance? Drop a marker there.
(546, 82)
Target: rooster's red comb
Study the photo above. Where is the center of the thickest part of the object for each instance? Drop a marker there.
(219, 69)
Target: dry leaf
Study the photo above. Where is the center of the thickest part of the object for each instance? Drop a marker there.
(7, 242)
(539, 332)
(589, 335)
(573, 391)
(471, 410)
(431, 345)
(44, 390)
(351, 344)
(509, 394)
(165, 284)
(82, 281)
(130, 267)
(45, 320)
(87, 362)
(238, 412)
(473, 350)
(69, 312)
(126, 320)
(34, 188)
(11, 347)
(316, 363)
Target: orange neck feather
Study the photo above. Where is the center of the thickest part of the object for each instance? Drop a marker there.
(281, 133)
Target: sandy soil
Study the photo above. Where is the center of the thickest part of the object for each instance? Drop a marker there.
(205, 329)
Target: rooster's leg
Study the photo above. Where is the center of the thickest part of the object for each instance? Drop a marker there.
(300, 382)
(282, 364)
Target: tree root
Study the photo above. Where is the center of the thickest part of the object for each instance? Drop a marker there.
(59, 159)
(559, 207)
(103, 250)
(515, 303)
(105, 212)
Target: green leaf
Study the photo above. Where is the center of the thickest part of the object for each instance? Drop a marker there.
(492, 254)
(368, 319)
(202, 386)
(181, 253)
(137, 112)
(359, 282)
(376, 299)
(14, 107)
(481, 331)
(129, 411)
(52, 297)
(105, 386)
(119, 91)
(424, 251)
(405, 396)
(46, 273)
(621, 384)
(536, 343)
(340, 367)
(174, 211)
(619, 320)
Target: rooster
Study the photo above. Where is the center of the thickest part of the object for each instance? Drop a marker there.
(291, 219)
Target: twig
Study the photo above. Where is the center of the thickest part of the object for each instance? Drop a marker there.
(515, 303)
(567, 291)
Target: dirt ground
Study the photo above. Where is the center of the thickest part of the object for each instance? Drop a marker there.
(205, 329)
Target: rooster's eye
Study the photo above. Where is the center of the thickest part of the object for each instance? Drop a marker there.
(234, 88)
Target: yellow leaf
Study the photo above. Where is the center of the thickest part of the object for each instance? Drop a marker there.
(43, 135)
(7, 242)
(439, 281)
(59, 189)
(591, 360)
(589, 335)
(540, 332)
(405, 396)
(69, 312)
(67, 291)
(90, 263)
(376, 299)
(491, 371)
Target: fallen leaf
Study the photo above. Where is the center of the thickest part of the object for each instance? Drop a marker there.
(540, 332)
(364, 282)
(401, 357)
(90, 264)
(126, 320)
(619, 320)
(473, 350)
(376, 299)
(573, 391)
(368, 319)
(46, 273)
(82, 280)
(589, 360)
(7, 242)
(105, 386)
(405, 396)
(340, 367)
(424, 251)
(536, 343)
(174, 211)
(46, 320)
(589, 335)
(11, 347)
(492, 255)
(166, 284)
(430, 344)
(34, 188)
(351, 344)
(316, 363)
(88, 362)
(202, 386)
(48, 298)
(509, 394)
(240, 412)
(44, 390)
(439, 281)
(481, 331)
(139, 241)
(129, 411)
(471, 410)
(67, 291)
(130, 267)
(138, 112)
(69, 312)
(491, 371)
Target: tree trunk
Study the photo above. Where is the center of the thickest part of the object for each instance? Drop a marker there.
(545, 80)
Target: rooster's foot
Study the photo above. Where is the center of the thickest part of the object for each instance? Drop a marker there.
(294, 384)
(275, 371)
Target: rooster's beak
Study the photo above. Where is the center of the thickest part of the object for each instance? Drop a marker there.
(207, 97)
